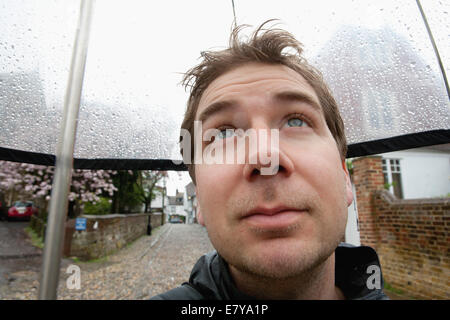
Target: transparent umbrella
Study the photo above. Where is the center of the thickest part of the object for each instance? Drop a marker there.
(385, 61)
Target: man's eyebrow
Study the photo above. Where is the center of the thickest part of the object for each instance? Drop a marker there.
(299, 96)
(290, 96)
(214, 108)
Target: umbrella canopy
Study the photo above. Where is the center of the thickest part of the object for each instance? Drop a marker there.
(377, 57)
(385, 62)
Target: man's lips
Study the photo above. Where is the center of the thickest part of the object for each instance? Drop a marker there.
(273, 218)
(270, 211)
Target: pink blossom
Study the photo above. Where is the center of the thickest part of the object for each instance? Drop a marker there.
(36, 181)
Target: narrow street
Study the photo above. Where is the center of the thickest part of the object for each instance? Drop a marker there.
(17, 255)
(149, 266)
(13, 240)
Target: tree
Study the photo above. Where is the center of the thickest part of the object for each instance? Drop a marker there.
(34, 181)
(147, 181)
(125, 197)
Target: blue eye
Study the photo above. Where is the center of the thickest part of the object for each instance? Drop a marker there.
(225, 133)
(296, 122)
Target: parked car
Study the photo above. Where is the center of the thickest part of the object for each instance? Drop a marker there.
(175, 219)
(22, 210)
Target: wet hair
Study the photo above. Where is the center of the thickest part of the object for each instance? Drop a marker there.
(268, 46)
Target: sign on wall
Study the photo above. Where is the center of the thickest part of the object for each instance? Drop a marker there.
(80, 224)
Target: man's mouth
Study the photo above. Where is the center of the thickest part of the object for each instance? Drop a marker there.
(273, 218)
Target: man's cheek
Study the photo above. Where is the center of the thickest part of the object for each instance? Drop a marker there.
(212, 183)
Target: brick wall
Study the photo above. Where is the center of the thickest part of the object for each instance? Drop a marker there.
(112, 232)
(367, 177)
(414, 244)
(411, 236)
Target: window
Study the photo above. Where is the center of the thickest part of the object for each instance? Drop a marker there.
(392, 177)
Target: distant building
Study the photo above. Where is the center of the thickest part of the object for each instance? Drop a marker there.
(175, 208)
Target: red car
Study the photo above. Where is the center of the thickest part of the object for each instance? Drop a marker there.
(22, 210)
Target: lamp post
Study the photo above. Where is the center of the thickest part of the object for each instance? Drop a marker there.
(164, 195)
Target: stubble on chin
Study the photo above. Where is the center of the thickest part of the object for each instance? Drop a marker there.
(270, 259)
(277, 263)
(307, 247)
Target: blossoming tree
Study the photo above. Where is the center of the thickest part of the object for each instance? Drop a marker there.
(34, 181)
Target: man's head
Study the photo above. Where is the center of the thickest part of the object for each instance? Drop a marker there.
(283, 224)
(272, 46)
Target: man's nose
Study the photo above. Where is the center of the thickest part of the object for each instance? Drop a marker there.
(268, 159)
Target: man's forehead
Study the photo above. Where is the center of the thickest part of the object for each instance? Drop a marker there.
(283, 79)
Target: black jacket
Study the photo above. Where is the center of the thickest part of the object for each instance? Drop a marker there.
(211, 280)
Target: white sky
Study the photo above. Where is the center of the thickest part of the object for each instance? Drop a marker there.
(177, 180)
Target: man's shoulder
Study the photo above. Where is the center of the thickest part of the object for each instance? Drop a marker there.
(358, 272)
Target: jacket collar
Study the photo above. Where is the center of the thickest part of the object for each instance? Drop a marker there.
(212, 278)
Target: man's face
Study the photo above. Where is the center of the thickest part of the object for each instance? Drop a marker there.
(282, 224)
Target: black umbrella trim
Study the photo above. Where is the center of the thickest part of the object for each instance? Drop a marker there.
(409, 141)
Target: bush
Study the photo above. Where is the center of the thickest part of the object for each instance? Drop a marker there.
(100, 208)
(36, 239)
(38, 225)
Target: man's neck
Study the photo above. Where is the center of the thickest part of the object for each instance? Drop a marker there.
(315, 284)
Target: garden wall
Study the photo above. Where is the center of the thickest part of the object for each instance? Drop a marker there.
(105, 234)
(411, 236)
(414, 244)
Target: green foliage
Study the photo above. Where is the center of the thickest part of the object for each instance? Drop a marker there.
(388, 185)
(349, 164)
(35, 239)
(100, 208)
(388, 287)
(127, 195)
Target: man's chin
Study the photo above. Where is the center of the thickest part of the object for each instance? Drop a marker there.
(279, 261)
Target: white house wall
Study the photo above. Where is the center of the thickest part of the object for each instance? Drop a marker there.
(179, 210)
(157, 202)
(424, 174)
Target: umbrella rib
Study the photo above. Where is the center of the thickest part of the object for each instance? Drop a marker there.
(436, 51)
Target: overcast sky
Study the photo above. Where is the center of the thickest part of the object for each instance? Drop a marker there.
(138, 49)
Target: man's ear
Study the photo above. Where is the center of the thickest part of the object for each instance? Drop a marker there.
(348, 184)
(200, 217)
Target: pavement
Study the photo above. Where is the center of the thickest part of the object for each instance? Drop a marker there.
(16, 251)
(149, 266)
(14, 242)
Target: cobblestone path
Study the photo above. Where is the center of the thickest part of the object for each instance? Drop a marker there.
(149, 266)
